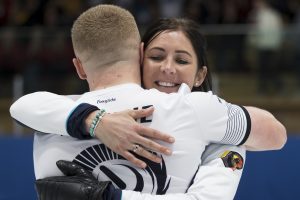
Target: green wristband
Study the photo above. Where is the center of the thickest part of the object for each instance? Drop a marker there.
(96, 121)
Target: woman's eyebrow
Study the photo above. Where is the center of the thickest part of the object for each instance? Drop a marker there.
(177, 51)
(157, 48)
(183, 51)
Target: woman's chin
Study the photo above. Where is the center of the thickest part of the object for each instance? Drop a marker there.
(167, 89)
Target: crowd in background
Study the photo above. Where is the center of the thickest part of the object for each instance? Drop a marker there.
(63, 12)
(35, 41)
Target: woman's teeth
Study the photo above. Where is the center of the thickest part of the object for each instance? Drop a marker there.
(166, 84)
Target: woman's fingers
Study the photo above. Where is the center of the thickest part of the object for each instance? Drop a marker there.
(121, 133)
(140, 150)
(153, 134)
(146, 112)
(131, 158)
(146, 131)
(146, 136)
(151, 145)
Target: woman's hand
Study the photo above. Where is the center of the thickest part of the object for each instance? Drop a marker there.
(122, 134)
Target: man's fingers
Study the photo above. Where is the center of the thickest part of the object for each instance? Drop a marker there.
(142, 112)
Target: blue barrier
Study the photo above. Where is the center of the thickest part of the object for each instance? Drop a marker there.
(272, 175)
(16, 169)
(267, 176)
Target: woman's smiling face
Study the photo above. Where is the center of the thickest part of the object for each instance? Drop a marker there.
(170, 60)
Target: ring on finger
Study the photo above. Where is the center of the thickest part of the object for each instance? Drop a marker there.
(135, 148)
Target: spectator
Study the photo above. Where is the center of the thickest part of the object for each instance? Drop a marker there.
(171, 8)
(296, 41)
(11, 50)
(32, 66)
(5, 9)
(196, 10)
(266, 38)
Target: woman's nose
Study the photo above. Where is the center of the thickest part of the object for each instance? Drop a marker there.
(168, 67)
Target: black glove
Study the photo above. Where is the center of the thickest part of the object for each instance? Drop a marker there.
(78, 184)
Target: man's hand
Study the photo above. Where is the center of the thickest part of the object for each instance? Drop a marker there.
(122, 134)
(78, 184)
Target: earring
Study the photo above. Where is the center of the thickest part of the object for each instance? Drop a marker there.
(197, 84)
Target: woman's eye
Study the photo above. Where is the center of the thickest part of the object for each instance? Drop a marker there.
(182, 62)
(156, 58)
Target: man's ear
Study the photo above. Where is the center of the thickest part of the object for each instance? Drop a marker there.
(79, 69)
(141, 53)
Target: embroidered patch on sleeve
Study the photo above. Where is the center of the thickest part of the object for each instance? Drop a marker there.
(233, 160)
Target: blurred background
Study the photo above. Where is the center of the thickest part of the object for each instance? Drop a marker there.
(253, 51)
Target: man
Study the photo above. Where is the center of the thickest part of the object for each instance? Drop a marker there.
(198, 118)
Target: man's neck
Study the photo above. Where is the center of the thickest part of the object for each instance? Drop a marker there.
(107, 85)
(114, 75)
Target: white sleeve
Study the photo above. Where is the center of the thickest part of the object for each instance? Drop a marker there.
(212, 181)
(44, 111)
(220, 121)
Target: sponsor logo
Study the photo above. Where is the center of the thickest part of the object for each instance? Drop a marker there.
(106, 100)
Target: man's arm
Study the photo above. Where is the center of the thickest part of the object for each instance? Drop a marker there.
(43, 111)
(47, 112)
(217, 178)
(213, 180)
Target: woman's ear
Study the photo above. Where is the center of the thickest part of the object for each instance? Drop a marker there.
(79, 69)
(141, 53)
(200, 76)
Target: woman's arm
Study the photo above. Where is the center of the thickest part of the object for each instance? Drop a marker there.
(267, 133)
